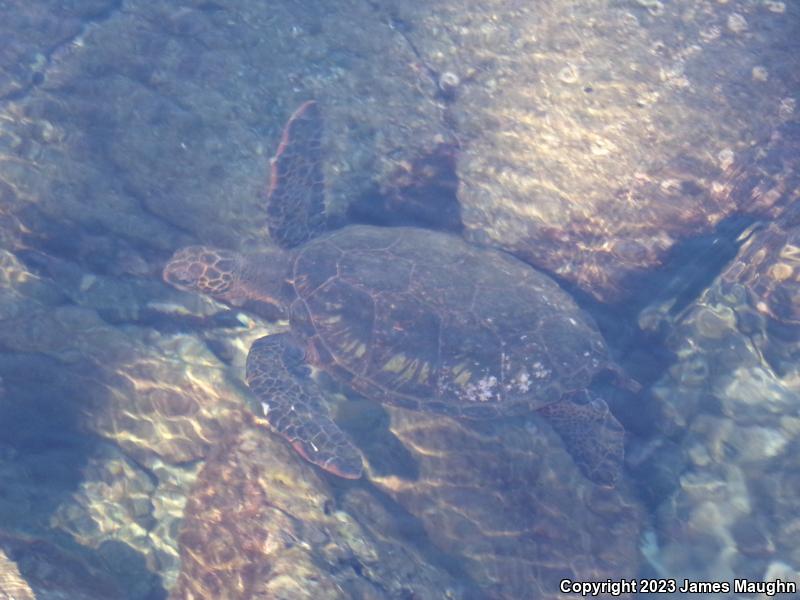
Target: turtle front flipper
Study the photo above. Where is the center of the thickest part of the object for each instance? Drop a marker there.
(293, 405)
(592, 435)
(296, 197)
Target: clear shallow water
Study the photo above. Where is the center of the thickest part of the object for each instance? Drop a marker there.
(644, 154)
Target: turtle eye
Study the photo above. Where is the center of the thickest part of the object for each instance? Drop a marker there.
(184, 278)
(181, 281)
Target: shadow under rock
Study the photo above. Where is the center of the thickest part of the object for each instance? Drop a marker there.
(421, 195)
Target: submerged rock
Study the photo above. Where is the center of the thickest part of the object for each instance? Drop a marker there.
(736, 502)
(594, 138)
(503, 512)
(262, 523)
(505, 504)
(36, 568)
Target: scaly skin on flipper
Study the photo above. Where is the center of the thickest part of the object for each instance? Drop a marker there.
(291, 402)
(296, 197)
(592, 434)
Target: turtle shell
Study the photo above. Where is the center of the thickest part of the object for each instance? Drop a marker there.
(423, 320)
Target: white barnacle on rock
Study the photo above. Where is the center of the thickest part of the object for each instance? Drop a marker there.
(265, 408)
(725, 157)
(449, 82)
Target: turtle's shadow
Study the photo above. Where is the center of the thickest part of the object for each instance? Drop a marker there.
(368, 424)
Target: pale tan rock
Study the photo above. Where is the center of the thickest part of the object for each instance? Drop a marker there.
(12, 586)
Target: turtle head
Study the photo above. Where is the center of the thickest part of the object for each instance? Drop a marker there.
(230, 277)
(207, 270)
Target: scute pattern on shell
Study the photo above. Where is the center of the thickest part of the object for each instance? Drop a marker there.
(424, 320)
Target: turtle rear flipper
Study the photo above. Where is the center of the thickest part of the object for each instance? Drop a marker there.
(592, 435)
(296, 197)
(292, 404)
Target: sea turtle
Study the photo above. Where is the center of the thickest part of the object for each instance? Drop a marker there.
(404, 316)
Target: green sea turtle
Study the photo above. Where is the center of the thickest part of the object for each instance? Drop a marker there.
(404, 316)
